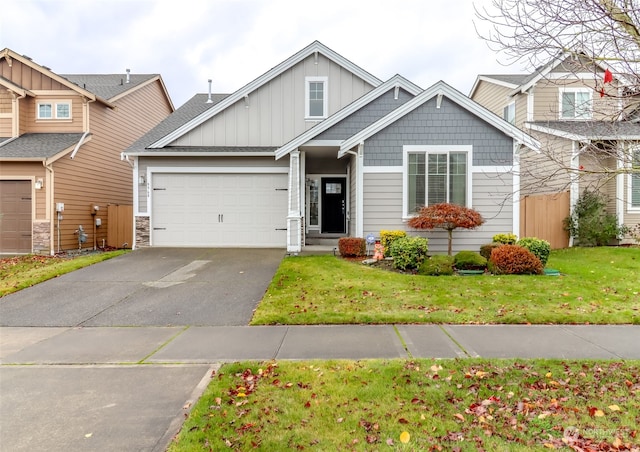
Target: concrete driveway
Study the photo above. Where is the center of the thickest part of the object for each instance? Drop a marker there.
(150, 287)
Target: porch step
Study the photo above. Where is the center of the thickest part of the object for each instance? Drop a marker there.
(322, 241)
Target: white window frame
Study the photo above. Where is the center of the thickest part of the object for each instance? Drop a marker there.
(509, 112)
(577, 108)
(307, 97)
(54, 110)
(434, 149)
(631, 176)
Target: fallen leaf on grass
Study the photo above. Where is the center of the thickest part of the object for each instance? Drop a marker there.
(405, 437)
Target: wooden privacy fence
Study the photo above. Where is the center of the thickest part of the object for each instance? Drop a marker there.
(120, 226)
(542, 216)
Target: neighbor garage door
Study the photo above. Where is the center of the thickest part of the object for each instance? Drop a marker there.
(224, 210)
(15, 216)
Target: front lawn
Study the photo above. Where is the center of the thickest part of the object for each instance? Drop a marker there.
(24, 271)
(597, 285)
(465, 405)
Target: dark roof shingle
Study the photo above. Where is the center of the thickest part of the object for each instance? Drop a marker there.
(37, 145)
(192, 108)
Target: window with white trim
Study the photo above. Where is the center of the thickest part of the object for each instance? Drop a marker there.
(509, 113)
(635, 180)
(316, 97)
(435, 174)
(575, 103)
(53, 110)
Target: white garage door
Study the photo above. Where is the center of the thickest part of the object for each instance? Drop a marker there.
(219, 210)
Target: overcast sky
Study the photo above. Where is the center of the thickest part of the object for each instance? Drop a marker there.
(234, 41)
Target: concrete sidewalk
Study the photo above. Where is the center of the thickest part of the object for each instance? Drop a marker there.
(129, 388)
(212, 345)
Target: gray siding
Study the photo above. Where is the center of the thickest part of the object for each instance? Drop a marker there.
(366, 116)
(491, 197)
(448, 125)
(274, 113)
(200, 162)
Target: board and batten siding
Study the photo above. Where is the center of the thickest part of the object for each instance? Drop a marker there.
(492, 197)
(206, 164)
(274, 113)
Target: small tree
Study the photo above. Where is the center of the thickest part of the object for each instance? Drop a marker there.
(446, 216)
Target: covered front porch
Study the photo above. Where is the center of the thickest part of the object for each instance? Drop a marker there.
(322, 196)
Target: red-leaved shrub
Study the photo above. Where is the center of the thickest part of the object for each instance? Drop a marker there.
(352, 246)
(514, 260)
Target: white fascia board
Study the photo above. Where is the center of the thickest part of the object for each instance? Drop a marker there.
(266, 77)
(488, 79)
(198, 154)
(218, 170)
(455, 96)
(354, 106)
(578, 137)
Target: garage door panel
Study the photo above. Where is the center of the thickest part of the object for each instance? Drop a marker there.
(15, 216)
(219, 210)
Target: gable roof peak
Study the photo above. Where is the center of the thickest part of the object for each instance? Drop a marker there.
(315, 46)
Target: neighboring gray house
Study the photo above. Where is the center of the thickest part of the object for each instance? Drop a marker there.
(317, 147)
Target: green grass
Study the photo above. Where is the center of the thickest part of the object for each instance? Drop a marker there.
(472, 405)
(25, 271)
(597, 285)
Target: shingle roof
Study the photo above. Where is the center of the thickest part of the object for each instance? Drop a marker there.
(108, 86)
(591, 130)
(37, 145)
(192, 108)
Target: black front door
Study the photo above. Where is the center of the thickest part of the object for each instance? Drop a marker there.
(333, 205)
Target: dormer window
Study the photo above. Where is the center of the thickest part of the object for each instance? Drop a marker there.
(316, 97)
(54, 110)
(576, 103)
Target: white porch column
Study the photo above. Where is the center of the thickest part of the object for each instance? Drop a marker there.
(516, 189)
(294, 218)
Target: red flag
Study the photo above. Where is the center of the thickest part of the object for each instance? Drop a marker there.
(608, 76)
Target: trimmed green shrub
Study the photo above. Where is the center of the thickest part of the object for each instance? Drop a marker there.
(485, 250)
(352, 246)
(438, 265)
(505, 239)
(590, 224)
(387, 237)
(540, 248)
(408, 252)
(469, 260)
(514, 260)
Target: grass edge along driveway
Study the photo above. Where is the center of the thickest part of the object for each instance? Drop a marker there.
(596, 286)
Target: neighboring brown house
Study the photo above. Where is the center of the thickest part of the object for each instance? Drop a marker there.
(587, 138)
(61, 143)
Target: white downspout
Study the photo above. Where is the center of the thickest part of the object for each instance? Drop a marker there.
(80, 143)
(516, 189)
